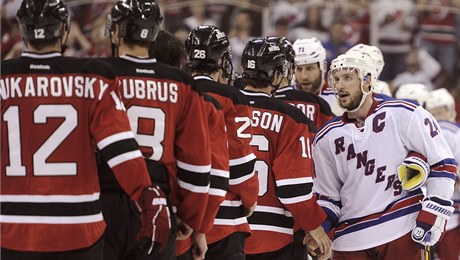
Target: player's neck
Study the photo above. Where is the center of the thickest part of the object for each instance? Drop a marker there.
(50, 48)
(267, 90)
(134, 50)
(363, 111)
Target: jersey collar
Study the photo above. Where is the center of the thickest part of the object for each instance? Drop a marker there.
(41, 55)
(137, 59)
(352, 120)
(206, 77)
(255, 94)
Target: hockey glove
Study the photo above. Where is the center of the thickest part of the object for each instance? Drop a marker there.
(155, 218)
(431, 221)
(413, 171)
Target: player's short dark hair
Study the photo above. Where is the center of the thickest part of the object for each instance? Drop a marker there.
(168, 49)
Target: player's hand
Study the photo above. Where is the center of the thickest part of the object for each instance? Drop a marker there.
(200, 246)
(318, 243)
(155, 218)
(184, 230)
(250, 210)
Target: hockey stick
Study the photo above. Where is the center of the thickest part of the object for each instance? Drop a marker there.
(426, 253)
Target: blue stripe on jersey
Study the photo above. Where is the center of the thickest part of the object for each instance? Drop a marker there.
(450, 126)
(327, 129)
(397, 103)
(392, 212)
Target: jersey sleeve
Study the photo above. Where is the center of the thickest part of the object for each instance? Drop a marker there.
(243, 180)
(112, 133)
(422, 133)
(193, 154)
(327, 184)
(219, 165)
(293, 171)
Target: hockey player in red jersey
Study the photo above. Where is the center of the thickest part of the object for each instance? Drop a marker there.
(313, 106)
(375, 213)
(284, 167)
(209, 60)
(168, 118)
(55, 112)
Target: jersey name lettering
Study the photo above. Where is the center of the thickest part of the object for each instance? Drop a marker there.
(150, 89)
(267, 120)
(70, 86)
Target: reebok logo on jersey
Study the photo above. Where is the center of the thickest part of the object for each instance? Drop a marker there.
(145, 71)
(39, 67)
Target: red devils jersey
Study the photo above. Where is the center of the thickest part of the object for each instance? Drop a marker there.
(243, 185)
(168, 118)
(314, 107)
(284, 167)
(219, 168)
(55, 111)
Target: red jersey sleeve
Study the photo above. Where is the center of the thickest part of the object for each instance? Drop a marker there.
(112, 132)
(293, 172)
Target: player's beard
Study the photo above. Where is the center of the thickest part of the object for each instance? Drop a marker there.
(354, 103)
(315, 86)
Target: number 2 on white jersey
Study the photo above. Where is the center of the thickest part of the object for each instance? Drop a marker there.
(40, 166)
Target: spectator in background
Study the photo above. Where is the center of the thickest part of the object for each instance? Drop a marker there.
(413, 73)
(240, 33)
(311, 26)
(198, 16)
(396, 24)
(281, 28)
(438, 35)
(335, 43)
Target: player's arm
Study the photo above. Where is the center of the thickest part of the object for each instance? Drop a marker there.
(327, 184)
(193, 154)
(243, 180)
(219, 162)
(293, 171)
(113, 136)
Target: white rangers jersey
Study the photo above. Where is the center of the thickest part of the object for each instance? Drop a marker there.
(357, 178)
(451, 132)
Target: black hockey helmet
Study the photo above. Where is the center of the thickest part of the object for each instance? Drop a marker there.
(139, 20)
(43, 19)
(261, 58)
(208, 47)
(287, 47)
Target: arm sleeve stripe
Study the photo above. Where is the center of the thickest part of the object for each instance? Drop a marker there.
(124, 157)
(114, 138)
(242, 160)
(296, 199)
(242, 169)
(119, 147)
(275, 210)
(193, 178)
(219, 183)
(217, 192)
(294, 181)
(266, 218)
(193, 188)
(291, 191)
(443, 174)
(231, 203)
(220, 173)
(51, 220)
(241, 179)
(194, 168)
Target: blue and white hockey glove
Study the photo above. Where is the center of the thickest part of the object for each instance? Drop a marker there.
(413, 171)
(431, 221)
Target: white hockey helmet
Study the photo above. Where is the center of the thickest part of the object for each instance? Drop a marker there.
(442, 98)
(415, 91)
(355, 60)
(309, 51)
(375, 54)
(381, 87)
(360, 61)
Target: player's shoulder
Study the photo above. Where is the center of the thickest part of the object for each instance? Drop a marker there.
(223, 90)
(212, 101)
(330, 126)
(397, 106)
